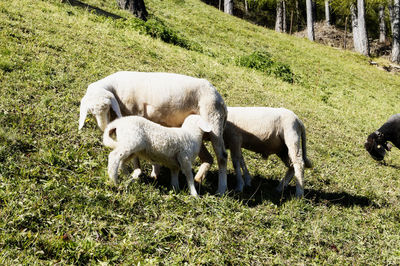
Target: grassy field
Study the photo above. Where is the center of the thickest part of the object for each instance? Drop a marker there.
(57, 206)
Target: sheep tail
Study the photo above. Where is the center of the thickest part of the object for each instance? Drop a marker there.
(107, 139)
(307, 162)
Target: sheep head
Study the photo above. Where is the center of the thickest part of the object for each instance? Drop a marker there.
(98, 103)
(377, 146)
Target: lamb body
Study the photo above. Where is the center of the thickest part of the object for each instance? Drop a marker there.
(267, 131)
(377, 142)
(163, 98)
(175, 148)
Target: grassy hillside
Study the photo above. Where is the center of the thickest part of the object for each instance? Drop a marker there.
(56, 204)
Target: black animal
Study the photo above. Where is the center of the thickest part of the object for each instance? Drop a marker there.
(377, 142)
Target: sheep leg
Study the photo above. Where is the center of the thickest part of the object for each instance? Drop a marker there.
(219, 148)
(299, 174)
(175, 179)
(215, 114)
(186, 169)
(207, 161)
(285, 181)
(246, 174)
(236, 155)
(155, 171)
(296, 156)
(123, 168)
(114, 159)
(136, 166)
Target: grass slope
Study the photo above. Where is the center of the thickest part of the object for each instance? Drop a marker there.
(55, 201)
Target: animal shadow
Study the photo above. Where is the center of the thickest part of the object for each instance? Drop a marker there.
(263, 189)
(384, 163)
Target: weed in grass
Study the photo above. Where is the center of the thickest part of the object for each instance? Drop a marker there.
(157, 29)
(263, 61)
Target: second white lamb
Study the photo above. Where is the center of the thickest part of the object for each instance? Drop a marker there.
(175, 148)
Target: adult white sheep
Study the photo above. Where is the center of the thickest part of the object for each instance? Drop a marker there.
(163, 98)
(267, 131)
(175, 148)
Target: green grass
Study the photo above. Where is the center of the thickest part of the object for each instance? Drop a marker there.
(56, 204)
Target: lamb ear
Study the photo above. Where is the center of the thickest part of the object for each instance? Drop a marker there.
(115, 107)
(206, 127)
(82, 115)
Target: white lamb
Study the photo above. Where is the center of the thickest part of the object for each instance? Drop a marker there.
(175, 148)
(267, 131)
(163, 98)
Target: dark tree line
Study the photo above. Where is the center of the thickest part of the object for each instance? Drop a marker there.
(356, 11)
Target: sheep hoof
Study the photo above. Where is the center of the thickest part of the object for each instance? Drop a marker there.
(153, 175)
(201, 174)
(199, 178)
(247, 180)
(239, 188)
(175, 185)
(136, 174)
(194, 194)
(299, 194)
(220, 192)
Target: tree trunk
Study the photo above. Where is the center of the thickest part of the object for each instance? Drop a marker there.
(284, 16)
(362, 27)
(246, 6)
(391, 16)
(354, 27)
(345, 33)
(327, 13)
(136, 7)
(297, 16)
(310, 20)
(291, 23)
(382, 24)
(360, 37)
(228, 7)
(396, 32)
(314, 10)
(279, 16)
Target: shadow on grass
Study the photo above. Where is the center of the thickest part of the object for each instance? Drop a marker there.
(384, 163)
(94, 9)
(264, 190)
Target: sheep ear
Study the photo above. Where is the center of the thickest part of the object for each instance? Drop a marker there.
(206, 127)
(388, 146)
(82, 115)
(370, 139)
(115, 107)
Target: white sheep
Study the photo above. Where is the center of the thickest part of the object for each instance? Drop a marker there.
(175, 148)
(163, 98)
(267, 131)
